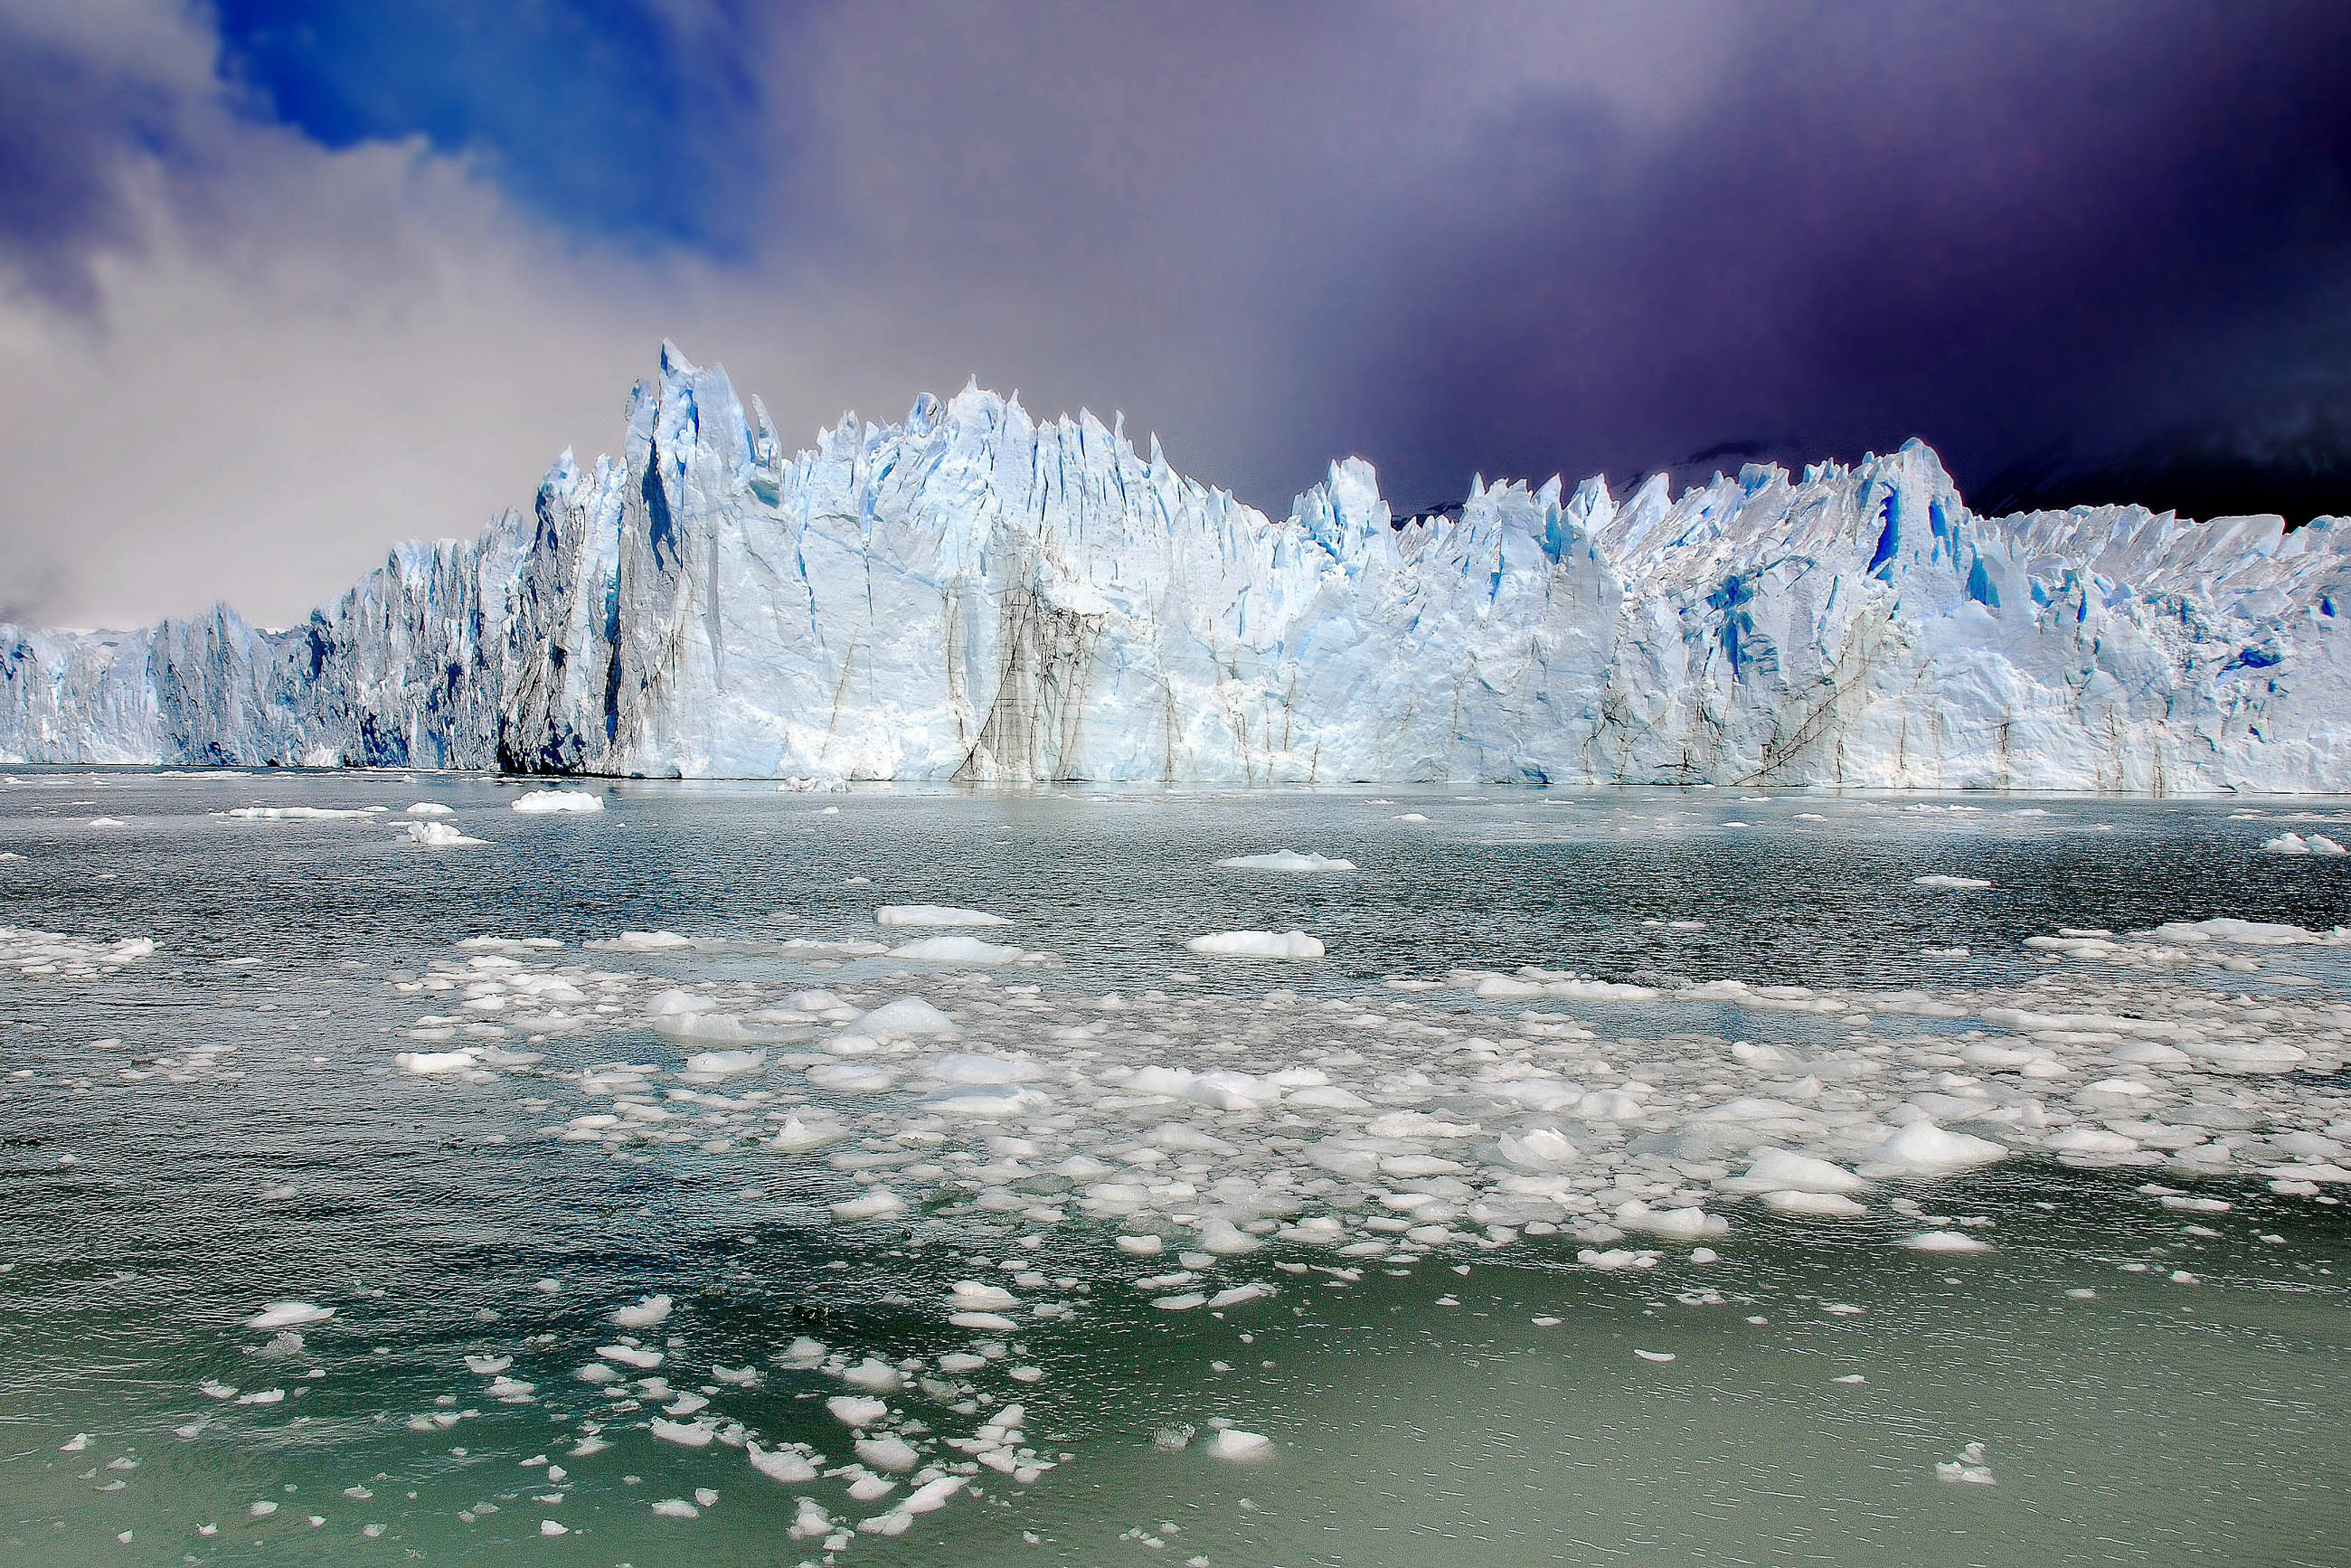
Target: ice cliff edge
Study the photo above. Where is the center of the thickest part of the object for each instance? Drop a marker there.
(973, 594)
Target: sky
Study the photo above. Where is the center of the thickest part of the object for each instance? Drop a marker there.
(284, 283)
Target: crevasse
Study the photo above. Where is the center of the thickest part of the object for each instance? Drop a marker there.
(974, 595)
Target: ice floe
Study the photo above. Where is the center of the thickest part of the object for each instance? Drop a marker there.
(543, 802)
(936, 914)
(1287, 859)
(1256, 945)
(2296, 844)
(437, 835)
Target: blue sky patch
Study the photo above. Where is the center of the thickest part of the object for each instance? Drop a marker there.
(595, 115)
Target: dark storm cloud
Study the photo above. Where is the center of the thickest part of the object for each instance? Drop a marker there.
(65, 125)
(1601, 239)
(283, 281)
(2073, 231)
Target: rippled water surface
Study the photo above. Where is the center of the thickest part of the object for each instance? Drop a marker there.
(1527, 1295)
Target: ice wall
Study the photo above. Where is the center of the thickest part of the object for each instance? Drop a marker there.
(974, 595)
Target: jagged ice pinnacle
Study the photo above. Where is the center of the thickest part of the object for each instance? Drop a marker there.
(974, 595)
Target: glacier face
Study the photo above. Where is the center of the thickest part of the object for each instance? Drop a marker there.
(974, 595)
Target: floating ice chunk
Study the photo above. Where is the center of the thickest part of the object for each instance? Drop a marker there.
(288, 1315)
(797, 1137)
(789, 1466)
(1505, 989)
(1256, 945)
(429, 808)
(933, 1495)
(935, 914)
(858, 1410)
(1170, 1081)
(712, 1065)
(989, 1323)
(2310, 1173)
(1969, 1467)
(283, 813)
(889, 1453)
(1229, 1091)
(432, 1063)
(1783, 1170)
(676, 1507)
(906, 1016)
(1222, 1239)
(2295, 844)
(2248, 933)
(436, 835)
(1942, 880)
(1142, 1246)
(1608, 1105)
(991, 1102)
(1538, 1149)
(1234, 1444)
(644, 1314)
(1613, 1258)
(1494, 987)
(1328, 1097)
(1923, 1148)
(631, 1355)
(676, 1003)
(1813, 1205)
(1945, 1241)
(1287, 859)
(2092, 1142)
(873, 1375)
(874, 1203)
(957, 950)
(543, 802)
(979, 1295)
(646, 941)
(1410, 817)
(1674, 1224)
(1240, 1295)
(1418, 1125)
(1657, 1355)
(852, 1077)
(960, 1067)
(685, 1434)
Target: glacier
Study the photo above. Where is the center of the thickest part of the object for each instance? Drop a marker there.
(975, 595)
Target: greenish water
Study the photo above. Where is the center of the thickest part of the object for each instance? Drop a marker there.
(192, 1133)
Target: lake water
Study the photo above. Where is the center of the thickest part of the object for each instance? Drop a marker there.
(1504, 1232)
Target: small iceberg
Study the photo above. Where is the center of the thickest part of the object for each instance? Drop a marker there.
(545, 802)
(1286, 860)
(1294, 945)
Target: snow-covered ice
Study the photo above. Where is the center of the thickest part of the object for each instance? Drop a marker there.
(975, 593)
(1256, 945)
(546, 803)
